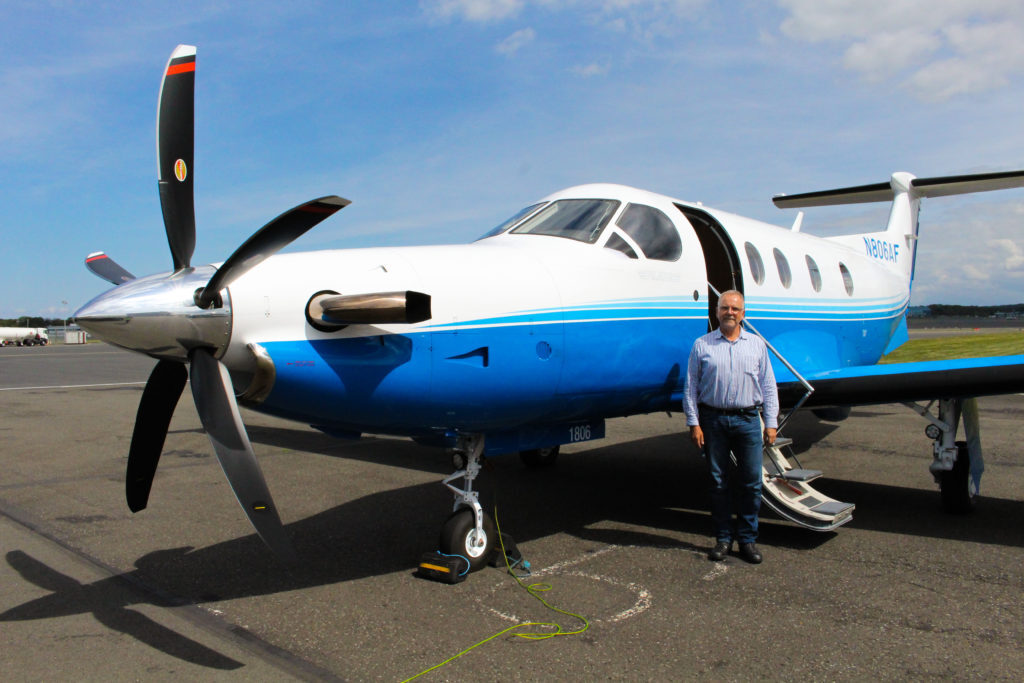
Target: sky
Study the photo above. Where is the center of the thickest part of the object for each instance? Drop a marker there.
(441, 118)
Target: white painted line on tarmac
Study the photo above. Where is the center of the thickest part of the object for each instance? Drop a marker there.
(641, 603)
(719, 569)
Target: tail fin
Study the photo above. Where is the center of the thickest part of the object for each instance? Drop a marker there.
(897, 244)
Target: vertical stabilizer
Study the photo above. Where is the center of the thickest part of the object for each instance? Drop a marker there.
(897, 246)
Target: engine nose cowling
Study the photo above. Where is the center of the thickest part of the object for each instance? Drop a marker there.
(157, 315)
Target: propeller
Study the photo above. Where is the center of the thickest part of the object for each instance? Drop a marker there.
(106, 268)
(175, 144)
(266, 241)
(218, 410)
(123, 309)
(159, 398)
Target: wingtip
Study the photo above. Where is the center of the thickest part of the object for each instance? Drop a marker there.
(184, 51)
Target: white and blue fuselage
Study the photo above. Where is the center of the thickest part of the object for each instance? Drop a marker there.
(528, 329)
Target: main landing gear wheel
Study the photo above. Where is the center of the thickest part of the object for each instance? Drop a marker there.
(539, 457)
(459, 537)
(955, 485)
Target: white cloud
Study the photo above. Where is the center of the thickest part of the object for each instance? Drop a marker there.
(474, 10)
(936, 49)
(590, 70)
(991, 272)
(1011, 253)
(644, 18)
(516, 41)
(876, 55)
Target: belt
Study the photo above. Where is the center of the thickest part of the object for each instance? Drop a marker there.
(749, 410)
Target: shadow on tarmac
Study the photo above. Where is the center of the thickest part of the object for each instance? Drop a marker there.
(105, 600)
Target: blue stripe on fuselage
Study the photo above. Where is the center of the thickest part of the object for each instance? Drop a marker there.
(523, 368)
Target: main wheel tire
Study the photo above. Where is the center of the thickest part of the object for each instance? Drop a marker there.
(955, 485)
(458, 537)
(539, 457)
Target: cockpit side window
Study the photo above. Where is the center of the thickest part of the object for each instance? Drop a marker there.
(653, 231)
(520, 215)
(616, 242)
(576, 219)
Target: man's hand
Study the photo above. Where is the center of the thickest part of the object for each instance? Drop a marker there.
(769, 435)
(697, 436)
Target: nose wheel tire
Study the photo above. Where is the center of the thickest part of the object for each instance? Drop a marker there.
(459, 537)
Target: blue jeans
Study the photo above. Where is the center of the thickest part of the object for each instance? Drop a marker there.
(740, 435)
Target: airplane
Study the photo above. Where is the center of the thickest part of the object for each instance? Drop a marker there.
(579, 308)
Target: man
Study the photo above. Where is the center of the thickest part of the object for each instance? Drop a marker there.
(728, 379)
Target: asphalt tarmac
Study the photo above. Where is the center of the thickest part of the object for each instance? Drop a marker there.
(618, 528)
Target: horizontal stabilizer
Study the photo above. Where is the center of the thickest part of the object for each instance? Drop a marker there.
(920, 187)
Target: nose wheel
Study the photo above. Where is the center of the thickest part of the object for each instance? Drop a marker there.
(459, 536)
(469, 531)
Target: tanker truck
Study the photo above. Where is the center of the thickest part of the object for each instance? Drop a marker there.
(23, 336)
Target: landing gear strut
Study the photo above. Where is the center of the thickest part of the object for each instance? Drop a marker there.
(952, 460)
(469, 532)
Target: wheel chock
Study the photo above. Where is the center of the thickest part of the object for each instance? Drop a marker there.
(512, 556)
(449, 569)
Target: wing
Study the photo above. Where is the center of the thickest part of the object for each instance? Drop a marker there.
(921, 381)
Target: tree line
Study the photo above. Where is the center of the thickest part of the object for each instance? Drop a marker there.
(31, 321)
(974, 311)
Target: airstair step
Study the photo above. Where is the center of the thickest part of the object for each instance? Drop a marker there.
(783, 441)
(832, 507)
(808, 508)
(801, 475)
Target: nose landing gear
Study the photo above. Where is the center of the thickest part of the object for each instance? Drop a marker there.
(469, 532)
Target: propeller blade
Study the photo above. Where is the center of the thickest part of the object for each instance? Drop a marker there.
(215, 401)
(105, 267)
(267, 241)
(175, 143)
(159, 398)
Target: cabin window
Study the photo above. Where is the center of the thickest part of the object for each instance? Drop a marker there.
(756, 264)
(520, 215)
(575, 219)
(847, 278)
(652, 231)
(785, 274)
(815, 273)
(619, 244)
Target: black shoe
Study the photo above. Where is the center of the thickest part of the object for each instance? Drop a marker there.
(749, 552)
(720, 550)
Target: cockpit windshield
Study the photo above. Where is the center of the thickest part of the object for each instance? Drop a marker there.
(576, 219)
(498, 229)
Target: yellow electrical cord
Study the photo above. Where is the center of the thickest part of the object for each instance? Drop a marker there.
(533, 589)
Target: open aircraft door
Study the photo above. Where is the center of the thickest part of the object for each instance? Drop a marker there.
(720, 258)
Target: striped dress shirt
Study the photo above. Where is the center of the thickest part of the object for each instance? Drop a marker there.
(731, 374)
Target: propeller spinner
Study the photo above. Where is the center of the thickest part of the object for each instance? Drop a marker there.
(185, 316)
